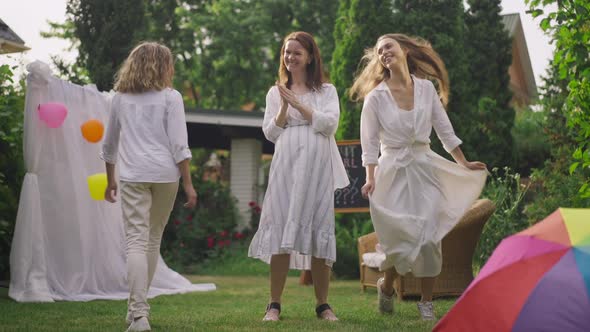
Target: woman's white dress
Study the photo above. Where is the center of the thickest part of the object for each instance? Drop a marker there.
(419, 196)
(298, 208)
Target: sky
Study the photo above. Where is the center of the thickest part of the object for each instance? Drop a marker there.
(29, 23)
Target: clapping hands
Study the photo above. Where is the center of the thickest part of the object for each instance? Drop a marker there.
(288, 97)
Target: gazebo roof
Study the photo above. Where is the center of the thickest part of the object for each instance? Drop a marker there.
(10, 42)
(214, 129)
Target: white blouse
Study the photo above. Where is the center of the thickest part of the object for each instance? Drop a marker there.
(151, 127)
(380, 121)
(326, 114)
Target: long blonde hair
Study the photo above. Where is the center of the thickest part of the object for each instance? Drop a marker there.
(149, 66)
(422, 59)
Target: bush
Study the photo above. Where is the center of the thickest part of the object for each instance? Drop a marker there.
(507, 192)
(553, 187)
(255, 211)
(348, 229)
(489, 137)
(12, 170)
(234, 261)
(530, 140)
(205, 231)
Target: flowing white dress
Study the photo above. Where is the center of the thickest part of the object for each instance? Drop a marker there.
(419, 196)
(298, 208)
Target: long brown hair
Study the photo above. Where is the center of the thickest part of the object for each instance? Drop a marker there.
(423, 62)
(315, 70)
(149, 66)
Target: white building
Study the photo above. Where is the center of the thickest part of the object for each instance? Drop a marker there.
(10, 42)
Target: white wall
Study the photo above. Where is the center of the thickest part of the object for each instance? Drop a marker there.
(244, 171)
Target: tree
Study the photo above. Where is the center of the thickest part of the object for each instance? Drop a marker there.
(227, 50)
(107, 30)
(553, 185)
(233, 67)
(488, 48)
(165, 25)
(315, 17)
(570, 29)
(232, 54)
(72, 72)
(358, 25)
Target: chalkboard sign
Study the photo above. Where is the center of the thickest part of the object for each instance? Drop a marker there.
(350, 199)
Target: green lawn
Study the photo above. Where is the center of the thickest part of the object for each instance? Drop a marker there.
(237, 305)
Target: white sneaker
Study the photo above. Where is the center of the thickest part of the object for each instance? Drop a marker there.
(426, 309)
(385, 302)
(141, 324)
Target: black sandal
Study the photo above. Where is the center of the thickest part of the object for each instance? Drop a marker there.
(323, 307)
(272, 305)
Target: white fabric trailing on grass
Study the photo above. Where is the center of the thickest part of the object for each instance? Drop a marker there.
(67, 246)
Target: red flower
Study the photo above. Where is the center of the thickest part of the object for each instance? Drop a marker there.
(257, 209)
(223, 243)
(239, 235)
(210, 242)
(224, 233)
(252, 204)
(176, 222)
(189, 217)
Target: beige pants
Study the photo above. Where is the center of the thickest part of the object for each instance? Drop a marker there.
(146, 209)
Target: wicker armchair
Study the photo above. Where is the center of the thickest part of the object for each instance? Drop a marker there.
(458, 248)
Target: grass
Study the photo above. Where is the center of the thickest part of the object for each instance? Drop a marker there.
(233, 261)
(237, 305)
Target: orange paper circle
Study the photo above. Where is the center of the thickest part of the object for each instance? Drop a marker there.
(92, 130)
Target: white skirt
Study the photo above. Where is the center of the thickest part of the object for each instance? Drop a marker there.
(419, 197)
(298, 209)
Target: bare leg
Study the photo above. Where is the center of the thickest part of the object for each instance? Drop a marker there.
(320, 273)
(385, 292)
(279, 268)
(425, 306)
(387, 287)
(321, 279)
(427, 288)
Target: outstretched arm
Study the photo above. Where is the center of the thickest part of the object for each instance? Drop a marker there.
(445, 132)
(370, 143)
(459, 157)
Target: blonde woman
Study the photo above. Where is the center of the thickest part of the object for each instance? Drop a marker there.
(297, 222)
(416, 196)
(154, 155)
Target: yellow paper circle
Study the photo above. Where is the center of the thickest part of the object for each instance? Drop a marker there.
(97, 185)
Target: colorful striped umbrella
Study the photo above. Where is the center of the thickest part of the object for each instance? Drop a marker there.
(536, 280)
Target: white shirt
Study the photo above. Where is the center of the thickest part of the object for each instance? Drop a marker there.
(382, 124)
(152, 129)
